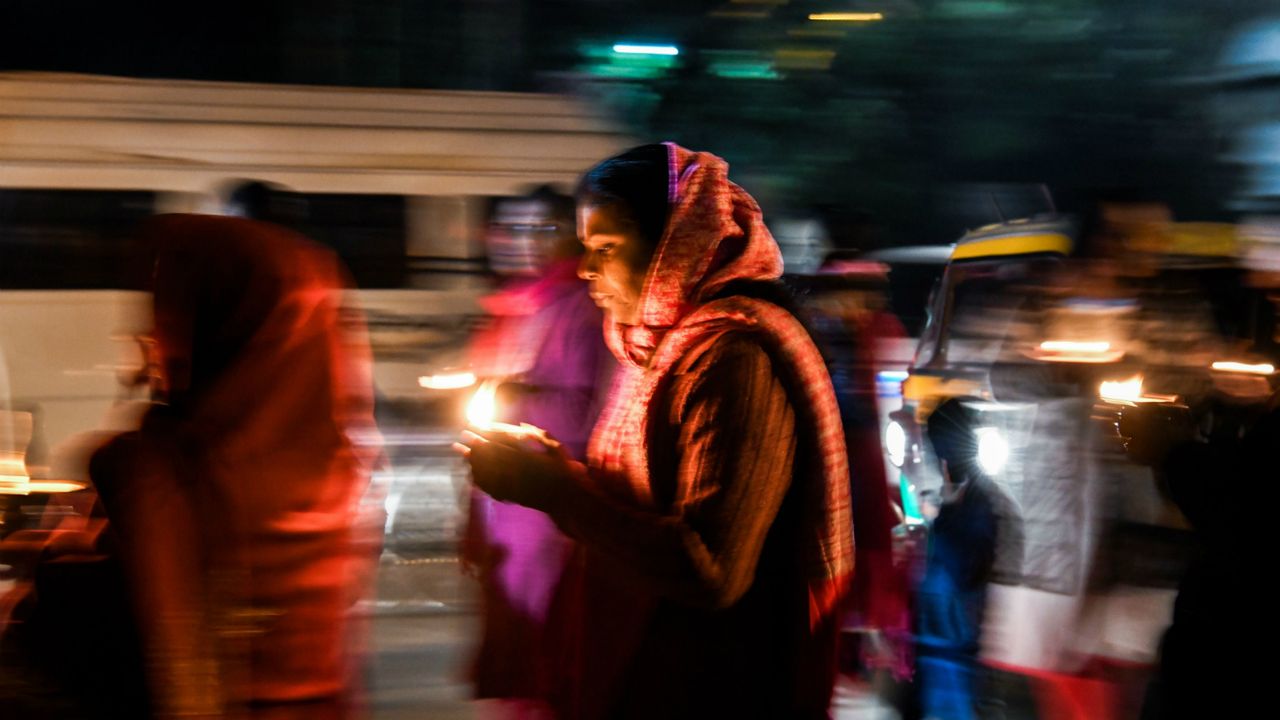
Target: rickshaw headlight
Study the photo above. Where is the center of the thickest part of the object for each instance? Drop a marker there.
(993, 450)
(895, 443)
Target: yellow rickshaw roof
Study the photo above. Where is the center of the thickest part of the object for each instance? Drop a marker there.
(1019, 237)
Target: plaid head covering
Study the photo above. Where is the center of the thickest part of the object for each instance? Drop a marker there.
(716, 235)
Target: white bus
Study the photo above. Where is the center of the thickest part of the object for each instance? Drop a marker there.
(399, 182)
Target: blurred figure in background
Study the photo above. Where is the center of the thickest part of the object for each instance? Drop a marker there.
(235, 503)
(1224, 484)
(544, 341)
(712, 515)
(1036, 637)
(1054, 626)
(847, 306)
(951, 597)
(264, 201)
(1126, 248)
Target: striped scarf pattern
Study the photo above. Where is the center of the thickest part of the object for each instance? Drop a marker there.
(716, 235)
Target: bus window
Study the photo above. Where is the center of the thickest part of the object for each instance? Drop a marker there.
(367, 231)
(72, 239)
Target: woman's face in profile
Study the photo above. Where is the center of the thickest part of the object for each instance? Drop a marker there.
(615, 259)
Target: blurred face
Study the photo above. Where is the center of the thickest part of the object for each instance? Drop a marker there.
(522, 237)
(615, 260)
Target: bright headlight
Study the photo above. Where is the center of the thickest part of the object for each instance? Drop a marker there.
(895, 443)
(993, 450)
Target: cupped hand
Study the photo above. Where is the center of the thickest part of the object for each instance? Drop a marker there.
(528, 470)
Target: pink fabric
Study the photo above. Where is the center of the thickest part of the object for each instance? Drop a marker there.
(544, 333)
(508, 344)
(525, 296)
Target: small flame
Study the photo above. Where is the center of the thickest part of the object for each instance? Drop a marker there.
(1122, 390)
(448, 381)
(846, 17)
(482, 409)
(13, 474)
(55, 486)
(11, 484)
(1073, 346)
(1245, 368)
(19, 483)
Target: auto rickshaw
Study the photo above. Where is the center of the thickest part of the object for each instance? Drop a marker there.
(1040, 361)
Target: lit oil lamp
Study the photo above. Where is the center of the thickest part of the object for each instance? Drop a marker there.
(482, 413)
(15, 477)
(1131, 392)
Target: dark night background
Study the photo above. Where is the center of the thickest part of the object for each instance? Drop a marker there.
(915, 120)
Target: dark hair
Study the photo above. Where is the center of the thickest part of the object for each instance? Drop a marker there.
(951, 433)
(254, 196)
(849, 230)
(266, 201)
(559, 205)
(637, 180)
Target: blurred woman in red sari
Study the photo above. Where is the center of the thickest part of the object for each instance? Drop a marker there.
(235, 503)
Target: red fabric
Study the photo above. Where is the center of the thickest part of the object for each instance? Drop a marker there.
(240, 497)
(879, 590)
(1065, 696)
(716, 235)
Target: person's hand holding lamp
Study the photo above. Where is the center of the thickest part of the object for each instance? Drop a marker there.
(512, 463)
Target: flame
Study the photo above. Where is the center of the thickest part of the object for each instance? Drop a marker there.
(1245, 368)
(12, 483)
(448, 381)
(1073, 346)
(482, 409)
(13, 474)
(846, 17)
(1122, 390)
(55, 486)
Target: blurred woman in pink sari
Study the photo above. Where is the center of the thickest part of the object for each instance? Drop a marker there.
(543, 340)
